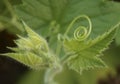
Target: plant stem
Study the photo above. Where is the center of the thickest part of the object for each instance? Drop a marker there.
(10, 8)
(58, 50)
(13, 21)
(50, 74)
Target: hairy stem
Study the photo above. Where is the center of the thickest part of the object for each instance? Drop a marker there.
(50, 74)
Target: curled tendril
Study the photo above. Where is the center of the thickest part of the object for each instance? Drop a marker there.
(81, 33)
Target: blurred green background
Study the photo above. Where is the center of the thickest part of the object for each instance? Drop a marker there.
(12, 72)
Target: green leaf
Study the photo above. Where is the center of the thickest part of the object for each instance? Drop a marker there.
(117, 39)
(32, 51)
(29, 59)
(40, 13)
(84, 55)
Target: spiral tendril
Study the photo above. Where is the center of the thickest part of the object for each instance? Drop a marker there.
(81, 33)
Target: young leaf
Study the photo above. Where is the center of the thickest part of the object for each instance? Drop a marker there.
(84, 55)
(32, 51)
(29, 59)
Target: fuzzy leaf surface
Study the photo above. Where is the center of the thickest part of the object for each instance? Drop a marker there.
(85, 55)
(32, 51)
(29, 59)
